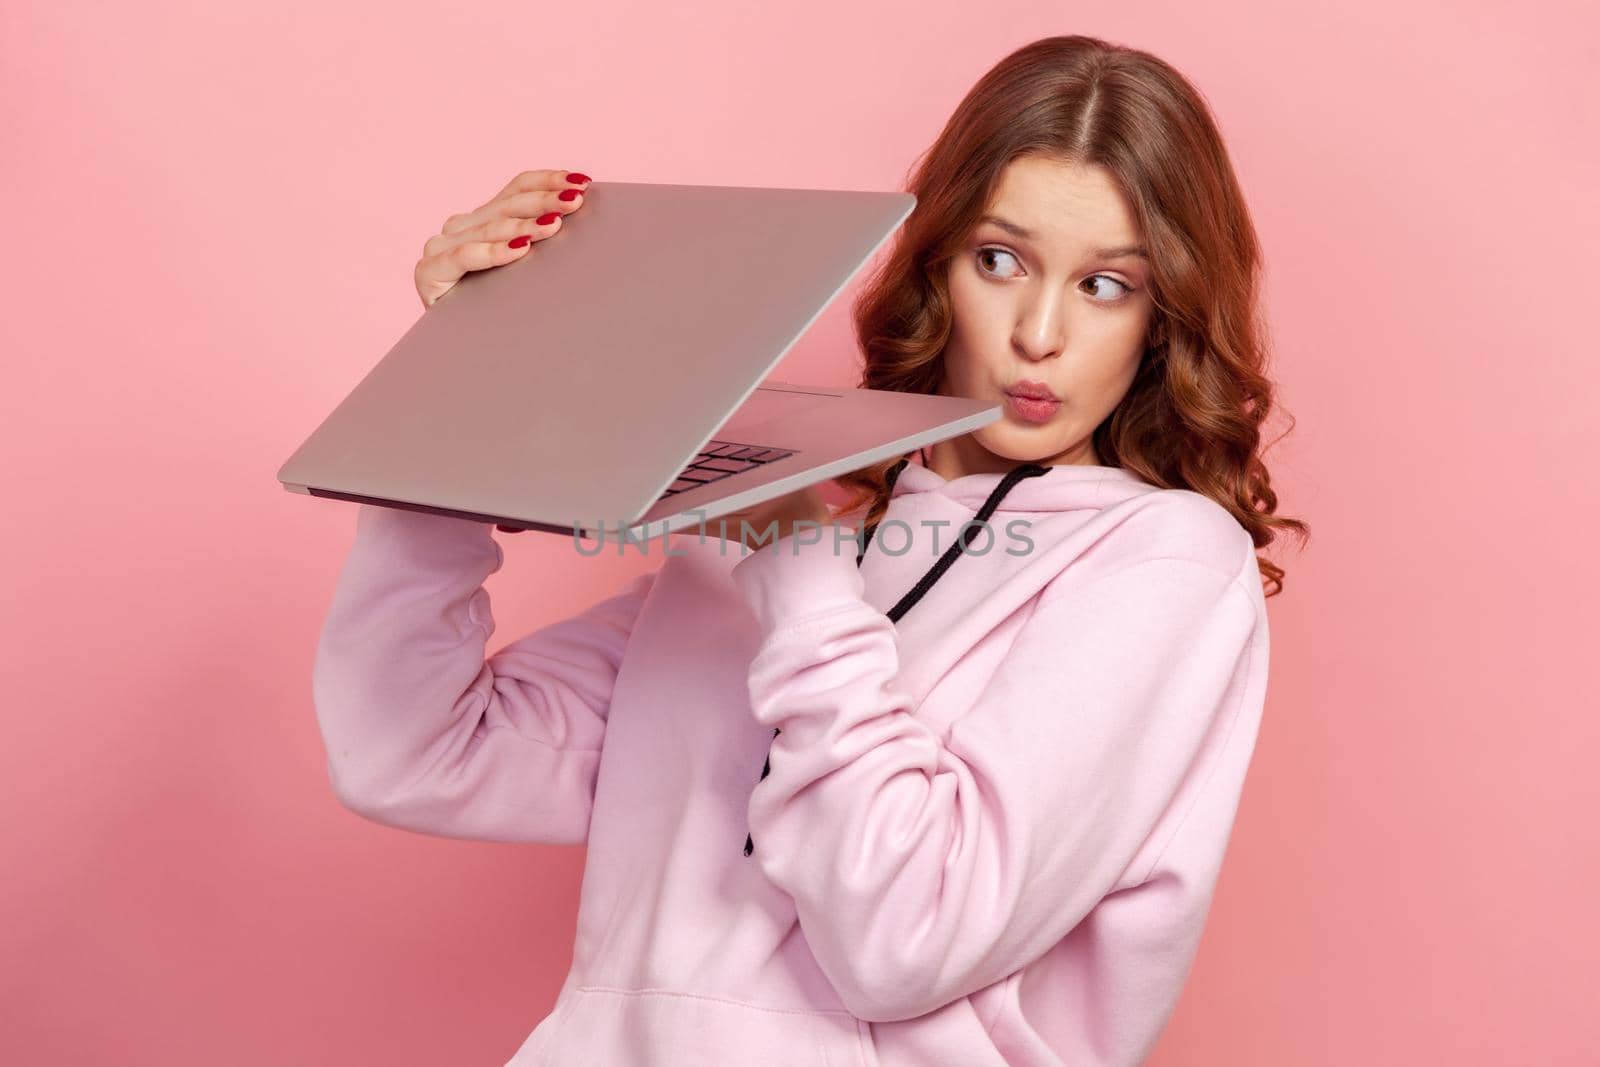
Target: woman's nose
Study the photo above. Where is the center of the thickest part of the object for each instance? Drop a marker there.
(1039, 334)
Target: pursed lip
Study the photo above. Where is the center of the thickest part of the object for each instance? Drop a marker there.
(1032, 391)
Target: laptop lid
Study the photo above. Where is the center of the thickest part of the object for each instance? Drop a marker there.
(579, 379)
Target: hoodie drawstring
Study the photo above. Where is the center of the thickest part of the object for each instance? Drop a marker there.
(942, 564)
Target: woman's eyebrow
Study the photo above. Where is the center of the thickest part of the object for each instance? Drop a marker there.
(1010, 227)
(1095, 253)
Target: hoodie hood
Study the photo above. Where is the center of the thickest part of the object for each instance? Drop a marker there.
(1083, 519)
(1065, 487)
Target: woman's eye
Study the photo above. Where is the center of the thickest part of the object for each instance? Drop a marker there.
(989, 253)
(1124, 288)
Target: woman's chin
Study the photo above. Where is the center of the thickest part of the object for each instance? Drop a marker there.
(1020, 442)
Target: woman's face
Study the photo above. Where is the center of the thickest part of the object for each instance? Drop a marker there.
(1052, 291)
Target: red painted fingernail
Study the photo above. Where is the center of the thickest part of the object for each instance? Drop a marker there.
(567, 194)
(519, 240)
(547, 218)
(577, 179)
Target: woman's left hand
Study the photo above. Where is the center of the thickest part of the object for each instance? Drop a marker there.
(749, 526)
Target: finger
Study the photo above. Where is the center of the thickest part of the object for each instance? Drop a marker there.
(500, 229)
(451, 264)
(534, 196)
(522, 206)
(555, 178)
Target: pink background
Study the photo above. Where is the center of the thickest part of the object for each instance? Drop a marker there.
(212, 216)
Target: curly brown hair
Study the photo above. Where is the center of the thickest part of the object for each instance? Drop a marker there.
(1191, 418)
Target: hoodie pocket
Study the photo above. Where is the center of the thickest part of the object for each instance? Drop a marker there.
(600, 1027)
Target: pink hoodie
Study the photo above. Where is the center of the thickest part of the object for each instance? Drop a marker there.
(985, 833)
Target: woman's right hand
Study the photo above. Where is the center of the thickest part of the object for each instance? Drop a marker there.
(532, 205)
(530, 208)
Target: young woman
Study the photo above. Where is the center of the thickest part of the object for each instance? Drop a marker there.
(940, 800)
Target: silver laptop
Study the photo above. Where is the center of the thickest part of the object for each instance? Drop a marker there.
(609, 382)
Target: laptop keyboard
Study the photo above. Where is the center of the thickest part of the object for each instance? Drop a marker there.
(719, 459)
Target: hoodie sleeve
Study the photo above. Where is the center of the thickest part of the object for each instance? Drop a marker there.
(926, 867)
(422, 733)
